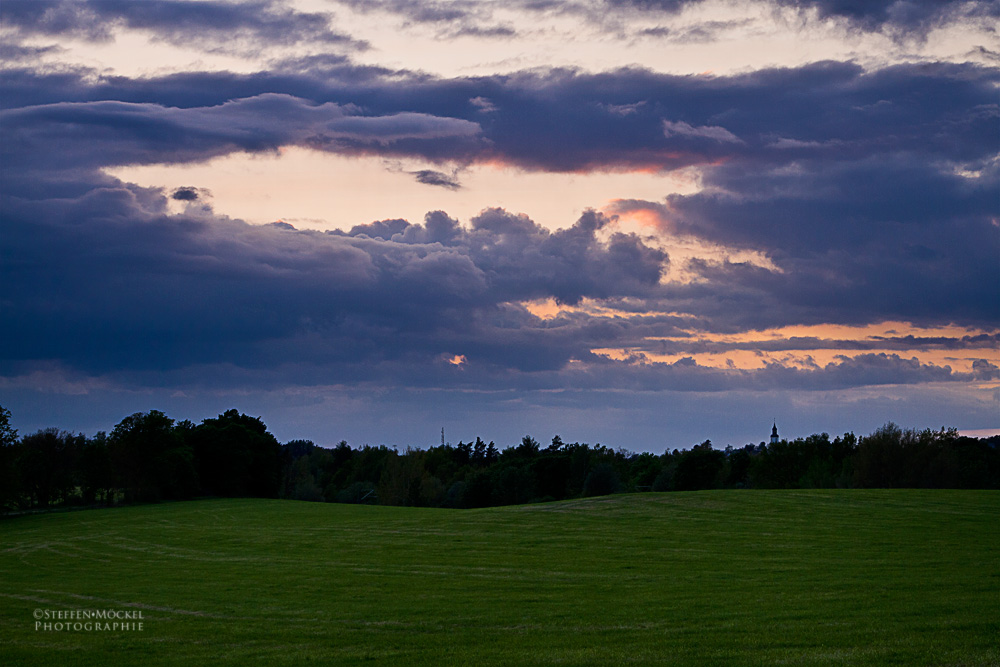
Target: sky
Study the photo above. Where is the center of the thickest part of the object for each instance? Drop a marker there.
(639, 223)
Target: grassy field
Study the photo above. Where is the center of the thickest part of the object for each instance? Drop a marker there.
(706, 578)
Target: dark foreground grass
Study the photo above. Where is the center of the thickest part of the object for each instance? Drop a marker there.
(726, 578)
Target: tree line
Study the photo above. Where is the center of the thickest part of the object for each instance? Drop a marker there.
(149, 457)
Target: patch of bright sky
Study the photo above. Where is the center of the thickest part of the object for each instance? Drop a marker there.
(684, 248)
(716, 36)
(889, 329)
(960, 360)
(135, 54)
(314, 190)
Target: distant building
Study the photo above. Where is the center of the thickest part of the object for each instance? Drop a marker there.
(774, 434)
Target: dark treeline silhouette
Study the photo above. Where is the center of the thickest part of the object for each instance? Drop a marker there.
(149, 457)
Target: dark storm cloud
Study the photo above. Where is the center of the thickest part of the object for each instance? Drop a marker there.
(217, 24)
(11, 52)
(984, 370)
(140, 291)
(420, 11)
(431, 177)
(487, 31)
(524, 261)
(908, 15)
(853, 241)
(872, 194)
(985, 53)
(876, 369)
(185, 194)
(148, 133)
(819, 204)
(667, 6)
(699, 33)
(570, 263)
(207, 301)
(563, 120)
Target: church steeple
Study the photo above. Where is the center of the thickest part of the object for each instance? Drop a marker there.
(774, 433)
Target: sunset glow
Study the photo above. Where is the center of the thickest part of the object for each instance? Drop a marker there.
(639, 223)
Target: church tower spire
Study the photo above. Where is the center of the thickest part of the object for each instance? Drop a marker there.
(774, 433)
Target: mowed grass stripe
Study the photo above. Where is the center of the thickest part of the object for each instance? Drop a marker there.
(748, 577)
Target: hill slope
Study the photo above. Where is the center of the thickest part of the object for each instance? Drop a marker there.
(807, 577)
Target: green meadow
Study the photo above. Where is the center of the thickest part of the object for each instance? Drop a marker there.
(884, 577)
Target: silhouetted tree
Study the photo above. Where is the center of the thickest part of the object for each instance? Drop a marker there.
(46, 463)
(665, 479)
(9, 478)
(8, 434)
(514, 484)
(601, 481)
(528, 447)
(579, 467)
(643, 469)
(478, 489)
(237, 456)
(368, 464)
(399, 483)
(736, 470)
(95, 475)
(338, 470)
(699, 468)
(879, 462)
(151, 459)
(463, 453)
(479, 452)
(492, 454)
(302, 483)
(973, 464)
(551, 471)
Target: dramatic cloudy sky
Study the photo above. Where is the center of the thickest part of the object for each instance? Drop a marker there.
(642, 223)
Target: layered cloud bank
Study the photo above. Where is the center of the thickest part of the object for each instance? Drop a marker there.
(828, 193)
